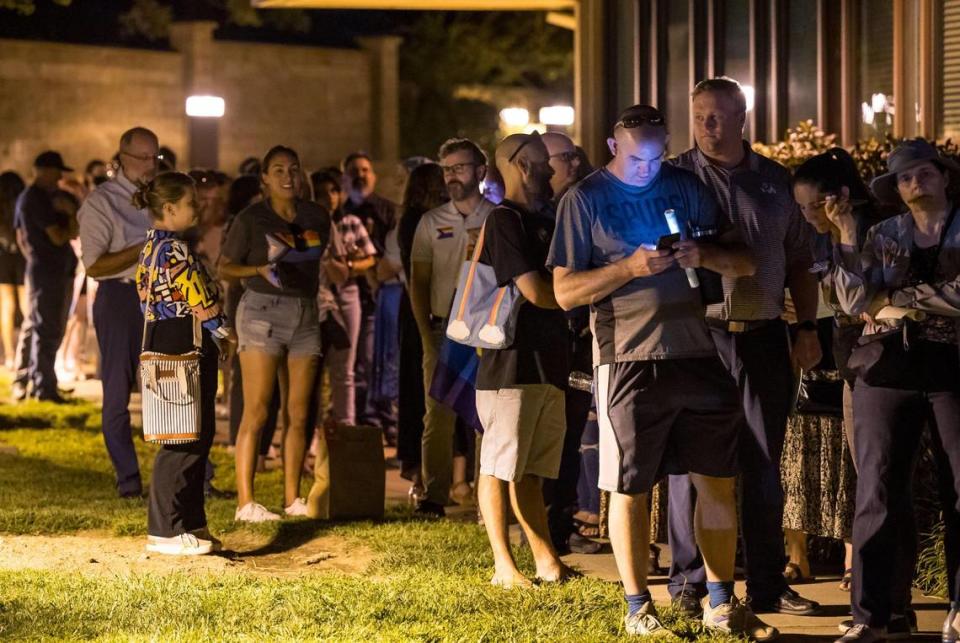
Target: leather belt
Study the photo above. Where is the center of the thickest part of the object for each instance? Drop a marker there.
(732, 326)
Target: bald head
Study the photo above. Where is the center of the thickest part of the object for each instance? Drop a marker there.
(524, 164)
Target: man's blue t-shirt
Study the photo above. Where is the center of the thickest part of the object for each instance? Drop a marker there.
(602, 220)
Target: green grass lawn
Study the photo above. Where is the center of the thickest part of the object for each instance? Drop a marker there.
(428, 580)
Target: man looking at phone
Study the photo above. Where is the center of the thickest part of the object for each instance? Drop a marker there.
(665, 403)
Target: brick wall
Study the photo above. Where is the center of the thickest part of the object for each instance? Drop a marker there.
(78, 99)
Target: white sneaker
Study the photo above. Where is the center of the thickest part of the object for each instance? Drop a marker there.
(254, 512)
(182, 545)
(297, 508)
(204, 534)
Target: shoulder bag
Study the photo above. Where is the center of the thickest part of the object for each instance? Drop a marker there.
(169, 384)
(484, 313)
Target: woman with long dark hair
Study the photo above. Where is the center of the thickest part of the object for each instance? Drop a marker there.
(817, 461)
(12, 266)
(424, 191)
(275, 245)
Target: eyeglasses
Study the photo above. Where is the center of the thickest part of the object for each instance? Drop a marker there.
(144, 158)
(566, 157)
(456, 168)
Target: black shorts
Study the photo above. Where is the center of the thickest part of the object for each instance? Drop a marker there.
(12, 268)
(666, 417)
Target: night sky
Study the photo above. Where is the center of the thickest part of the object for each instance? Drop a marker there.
(95, 22)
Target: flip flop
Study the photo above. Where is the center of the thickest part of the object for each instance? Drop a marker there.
(847, 580)
(587, 529)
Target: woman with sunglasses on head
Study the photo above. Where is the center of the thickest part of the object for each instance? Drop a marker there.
(818, 461)
(275, 246)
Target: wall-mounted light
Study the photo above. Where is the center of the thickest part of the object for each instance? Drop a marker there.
(205, 106)
(514, 116)
(557, 115)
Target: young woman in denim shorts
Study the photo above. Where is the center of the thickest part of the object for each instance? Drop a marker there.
(275, 246)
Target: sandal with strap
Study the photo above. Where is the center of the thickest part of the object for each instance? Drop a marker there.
(586, 529)
(847, 580)
(794, 575)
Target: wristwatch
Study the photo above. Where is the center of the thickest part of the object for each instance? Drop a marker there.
(807, 325)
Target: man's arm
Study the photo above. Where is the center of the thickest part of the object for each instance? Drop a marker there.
(730, 259)
(59, 235)
(581, 287)
(420, 275)
(537, 290)
(110, 263)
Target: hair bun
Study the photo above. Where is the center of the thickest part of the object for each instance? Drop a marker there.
(141, 198)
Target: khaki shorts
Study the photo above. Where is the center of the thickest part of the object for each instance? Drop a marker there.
(523, 431)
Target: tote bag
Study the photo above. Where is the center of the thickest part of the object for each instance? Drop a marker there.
(169, 384)
(484, 313)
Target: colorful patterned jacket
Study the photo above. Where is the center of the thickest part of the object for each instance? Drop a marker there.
(180, 284)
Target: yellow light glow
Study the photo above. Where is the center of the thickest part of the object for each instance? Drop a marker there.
(206, 106)
(557, 115)
(514, 116)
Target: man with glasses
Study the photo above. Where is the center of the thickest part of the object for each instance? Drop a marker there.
(112, 234)
(444, 239)
(665, 402)
(564, 160)
(753, 343)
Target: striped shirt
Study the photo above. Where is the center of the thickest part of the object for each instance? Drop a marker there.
(757, 197)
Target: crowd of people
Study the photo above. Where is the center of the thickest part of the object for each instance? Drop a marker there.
(698, 290)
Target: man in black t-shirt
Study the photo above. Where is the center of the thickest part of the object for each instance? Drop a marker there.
(520, 398)
(50, 267)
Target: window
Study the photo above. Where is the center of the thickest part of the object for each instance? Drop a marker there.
(875, 91)
(802, 62)
(678, 75)
(950, 64)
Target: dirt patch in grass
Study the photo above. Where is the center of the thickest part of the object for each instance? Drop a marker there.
(102, 554)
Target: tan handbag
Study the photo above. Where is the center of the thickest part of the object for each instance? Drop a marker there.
(169, 385)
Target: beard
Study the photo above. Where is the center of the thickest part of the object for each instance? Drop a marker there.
(923, 201)
(458, 190)
(538, 188)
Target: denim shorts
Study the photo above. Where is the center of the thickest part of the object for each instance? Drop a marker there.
(278, 325)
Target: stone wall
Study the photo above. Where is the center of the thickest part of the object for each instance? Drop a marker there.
(78, 99)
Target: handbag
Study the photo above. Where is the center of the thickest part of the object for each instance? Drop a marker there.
(486, 313)
(169, 385)
(883, 359)
(349, 474)
(820, 393)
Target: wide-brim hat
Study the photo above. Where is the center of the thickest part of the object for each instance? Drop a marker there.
(908, 154)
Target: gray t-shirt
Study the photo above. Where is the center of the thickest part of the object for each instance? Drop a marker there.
(306, 238)
(603, 220)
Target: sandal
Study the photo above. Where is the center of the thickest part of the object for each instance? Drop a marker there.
(794, 575)
(587, 529)
(847, 580)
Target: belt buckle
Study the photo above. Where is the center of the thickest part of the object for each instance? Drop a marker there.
(736, 326)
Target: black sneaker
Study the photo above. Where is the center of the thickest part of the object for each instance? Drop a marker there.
(578, 544)
(218, 494)
(790, 602)
(688, 603)
(901, 626)
(429, 509)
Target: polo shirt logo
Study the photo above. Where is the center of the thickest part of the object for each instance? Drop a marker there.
(768, 188)
(445, 232)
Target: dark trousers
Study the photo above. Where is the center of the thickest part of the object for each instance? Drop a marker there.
(410, 405)
(561, 494)
(176, 487)
(759, 361)
(25, 340)
(49, 304)
(588, 490)
(363, 366)
(119, 325)
(888, 426)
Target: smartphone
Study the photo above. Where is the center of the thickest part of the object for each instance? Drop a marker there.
(666, 241)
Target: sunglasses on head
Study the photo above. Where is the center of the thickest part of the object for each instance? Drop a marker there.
(641, 117)
(532, 137)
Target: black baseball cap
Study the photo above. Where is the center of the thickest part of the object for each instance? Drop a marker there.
(51, 159)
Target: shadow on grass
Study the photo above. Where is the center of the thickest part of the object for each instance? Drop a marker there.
(41, 497)
(75, 414)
